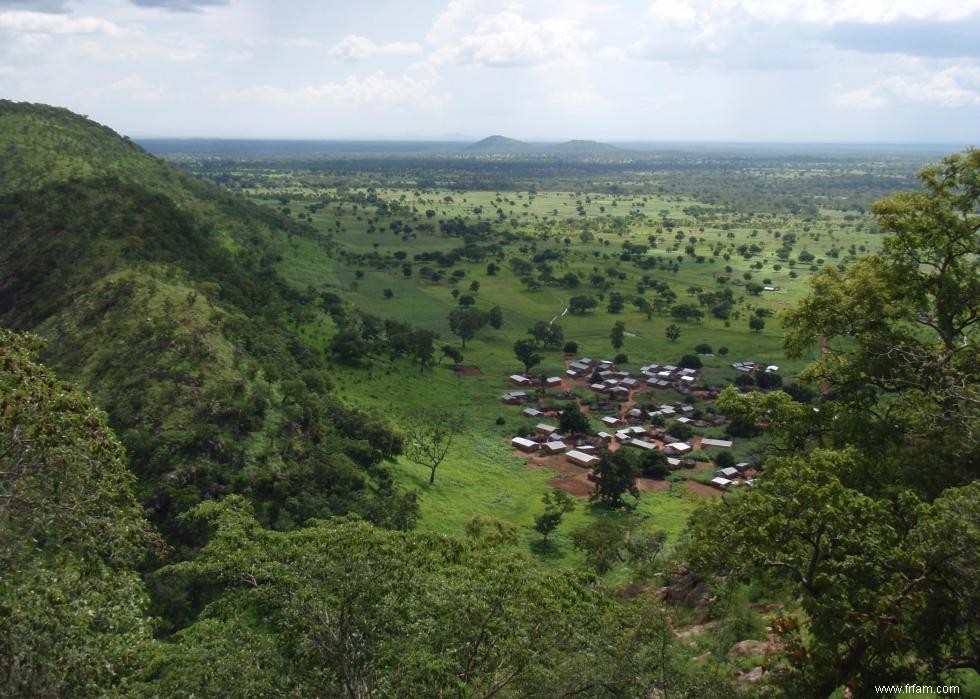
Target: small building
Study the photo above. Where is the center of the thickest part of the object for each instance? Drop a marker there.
(611, 420)
(531, 412)
(679, 448)
(552, 381)
(720, 443)
(772, 368)
(683, 420)
(642, 444)
(524, 444)
(586, 449)
(621, 391)
(597, 387)
(673, 463)
(721, 483)
(545, 429)
(580, 458)
(579, 368)
(604, 436)
(630, 382)
(514, 397)
(729, 472)
(554, 447)
(742, 466)
(519, 380)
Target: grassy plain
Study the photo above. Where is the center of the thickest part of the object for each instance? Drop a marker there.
(367, 235)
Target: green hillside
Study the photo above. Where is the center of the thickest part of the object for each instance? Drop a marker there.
(156, 292)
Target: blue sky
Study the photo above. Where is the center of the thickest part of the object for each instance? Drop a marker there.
(689, 70)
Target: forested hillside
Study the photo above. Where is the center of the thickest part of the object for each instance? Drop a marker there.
(155, 293)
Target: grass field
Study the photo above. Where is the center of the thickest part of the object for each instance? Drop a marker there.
(693, 244)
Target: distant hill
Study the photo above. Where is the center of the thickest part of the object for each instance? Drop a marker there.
(581, 148)
(499, 144)
(157, 293)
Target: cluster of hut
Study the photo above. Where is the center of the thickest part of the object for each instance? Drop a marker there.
(628, 428)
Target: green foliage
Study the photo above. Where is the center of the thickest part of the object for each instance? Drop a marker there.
(342, 608)
(869, 504)
(618, 334)
(72, 609)
(616, 476)
(526, 352)
(467, 322)
(571, 420)
(557, 503)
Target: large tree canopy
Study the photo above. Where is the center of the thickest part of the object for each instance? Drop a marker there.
(869, 504)
(71, 533)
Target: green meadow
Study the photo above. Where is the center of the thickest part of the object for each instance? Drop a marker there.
(365, 238)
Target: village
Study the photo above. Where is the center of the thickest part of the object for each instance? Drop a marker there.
(631, 416)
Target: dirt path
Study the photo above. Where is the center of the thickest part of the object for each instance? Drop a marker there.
(560, 315)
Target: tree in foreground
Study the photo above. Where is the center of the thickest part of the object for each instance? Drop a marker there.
(557, 503)
(344, 609)
(429, 437)
(526, 352)
(72, 607)
(616, 477)
(869, 507)
(673, 332)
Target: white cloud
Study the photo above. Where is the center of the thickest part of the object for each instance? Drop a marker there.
(43, 23)
(679, 12)
(577, 97)
(374, 90)
(956, 86)
(864, 98)
(507, 39)
(137, 88)
(355, 48)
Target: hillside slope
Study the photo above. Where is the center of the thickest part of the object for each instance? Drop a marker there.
(156, 293)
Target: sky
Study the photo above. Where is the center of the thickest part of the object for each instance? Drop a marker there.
(894, 71)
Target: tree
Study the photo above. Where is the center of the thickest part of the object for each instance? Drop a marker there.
(571, 347)
(452, 353)
(557, 503)
(428, 438)
(881, 551)
(72, 606)
(549, 335)
(690, 361)
(347, 609)
(673, 332)
(756, 324)
(423, 349)
(704, 348)
(571, 420)
(527, 353)
(466, 322)
(466, 300)
(496, 318)
(616, 302)
(643, 306)
(618, 334)
(581, 304)
(616, 476)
